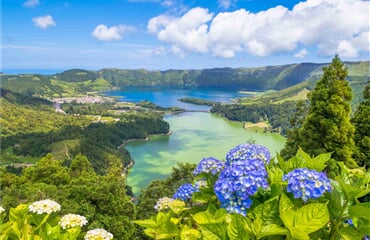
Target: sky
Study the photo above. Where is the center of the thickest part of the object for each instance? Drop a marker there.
(180, 34)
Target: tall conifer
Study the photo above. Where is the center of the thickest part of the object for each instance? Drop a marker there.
(361, 121)
(327, 127)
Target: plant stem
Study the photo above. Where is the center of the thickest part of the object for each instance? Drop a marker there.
(334, 230)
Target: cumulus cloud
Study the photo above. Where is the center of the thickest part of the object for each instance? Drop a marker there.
(105, 33)
(330, 26)
(301, 54)
(31, 3)
(43, 22)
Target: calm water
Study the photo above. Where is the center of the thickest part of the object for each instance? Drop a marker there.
(168, 97)
(195, 135)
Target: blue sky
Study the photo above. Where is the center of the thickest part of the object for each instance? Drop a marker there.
(180, 34)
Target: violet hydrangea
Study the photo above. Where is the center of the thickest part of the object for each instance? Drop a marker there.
(305, 183)
(242, 176)
(208, 165)
(184, 192)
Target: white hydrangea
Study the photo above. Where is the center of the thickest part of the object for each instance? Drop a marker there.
(44, 206)
(163, 203)
(72, 220)
(98, 234)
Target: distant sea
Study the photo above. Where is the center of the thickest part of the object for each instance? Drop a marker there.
(32, 71)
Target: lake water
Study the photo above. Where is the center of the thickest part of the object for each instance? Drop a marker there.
(168, 97)
(195, 135)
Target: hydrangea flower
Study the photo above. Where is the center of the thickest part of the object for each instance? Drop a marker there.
(248, 151)
(98, 234)
(44, 206)
(238, 182)
(200, 184)
(305, 183)
(163, 203)
(208, 165)
(72, 220)
(184, 192)
(2, 210)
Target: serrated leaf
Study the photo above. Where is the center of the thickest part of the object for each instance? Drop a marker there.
(349, 233)
(319, 162)
(190, 234)
(311, 217)
(286, 211)
(351, 192)
(268, 211)
(147, 223)
(271, 230)
(361, 212)
(239, 228)
(214, 231)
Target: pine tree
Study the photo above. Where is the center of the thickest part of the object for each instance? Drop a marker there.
(327, 127)
(361, 121)
(291, 145)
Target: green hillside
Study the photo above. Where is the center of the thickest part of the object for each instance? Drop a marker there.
(79, 82)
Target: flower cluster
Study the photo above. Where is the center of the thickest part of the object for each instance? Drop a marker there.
(72, 220)
(242, 176)
(305, 183)
(248, 152)
(163, 203)
(208, 165)
(98, 234)
(44, 206)
(184, 192)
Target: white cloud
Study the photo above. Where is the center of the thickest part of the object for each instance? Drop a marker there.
(330, 26)
(301, 54)
(44, 21)
(31, 3)
(226, 3)
(104, 33)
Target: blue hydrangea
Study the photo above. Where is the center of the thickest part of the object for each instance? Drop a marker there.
(305, 183)
(184, 192)
(238, 182)
(248, 152)
(208, 165)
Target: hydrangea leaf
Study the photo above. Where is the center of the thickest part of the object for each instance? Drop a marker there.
(361, 212)
(311, 217)
(190, 234)
(239, 228)
(268, 211)
(319, 162)
(271, 230)
(287, 211)
(336, 202)
(147, 223)
(349, 233)
(351, 192)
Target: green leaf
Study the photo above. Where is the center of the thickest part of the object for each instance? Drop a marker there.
(351, 192)
(319, 162)
(239, 228)
(361, 213)
(214, 231)
(268, 211)
(147, 223)
(190, 234)
(287, 211)
(311, 217)
(349, 233)
(336, 202)
(209, 216)
(272, 229)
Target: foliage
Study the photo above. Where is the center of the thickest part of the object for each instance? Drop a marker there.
(277, 210)
(327, 127)
(102, 200)
(361, 121)
(40, 221)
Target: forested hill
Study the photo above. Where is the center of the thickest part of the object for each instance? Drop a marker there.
(76, 81)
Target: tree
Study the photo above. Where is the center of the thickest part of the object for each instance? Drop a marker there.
(291, 145)
(361, 121)
(327, 127)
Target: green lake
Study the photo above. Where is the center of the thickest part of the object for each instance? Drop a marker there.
(195, 135)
